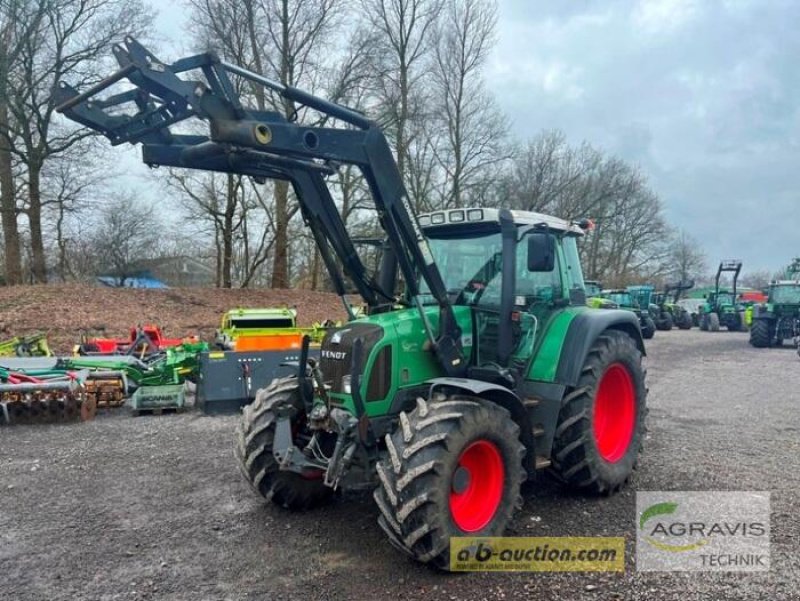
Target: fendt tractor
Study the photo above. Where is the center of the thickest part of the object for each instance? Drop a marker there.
(779, 318)
(486, 369)
(722, 307)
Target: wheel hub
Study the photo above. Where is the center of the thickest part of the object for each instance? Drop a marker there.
(461, 480)
(477, 486)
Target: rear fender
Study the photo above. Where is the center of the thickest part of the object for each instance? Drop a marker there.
(581, 335)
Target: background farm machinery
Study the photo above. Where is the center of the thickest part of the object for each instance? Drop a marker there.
(669, 312)
(779, 318)
(722, 307)
(142, 340)
(34, 345)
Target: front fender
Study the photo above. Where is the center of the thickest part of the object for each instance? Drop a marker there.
(581, 335)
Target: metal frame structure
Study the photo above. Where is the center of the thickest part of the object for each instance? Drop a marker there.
(264, 144)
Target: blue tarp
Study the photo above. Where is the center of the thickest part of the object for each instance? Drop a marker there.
(113, 282)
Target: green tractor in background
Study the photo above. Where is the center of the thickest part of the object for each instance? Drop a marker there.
(643, 294)
(594, 296)
(486, 370)
(623, 299)
(722, 307)
(670, 313)
(779, 318)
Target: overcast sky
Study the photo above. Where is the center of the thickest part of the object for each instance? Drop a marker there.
(703, 94)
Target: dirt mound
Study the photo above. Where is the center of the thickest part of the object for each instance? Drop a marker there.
(64, 311)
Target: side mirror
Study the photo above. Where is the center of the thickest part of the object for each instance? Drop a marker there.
(541, 251)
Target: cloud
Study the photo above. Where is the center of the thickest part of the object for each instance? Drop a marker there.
(704, 95)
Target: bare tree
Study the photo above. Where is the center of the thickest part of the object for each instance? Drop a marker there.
(18, 20)
(403, 31)
(71, 41)
(687, 260)
(126, 234)
(470, 131)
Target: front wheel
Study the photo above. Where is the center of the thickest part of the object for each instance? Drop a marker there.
(713, 322)
(254, 440)
(601, 422)
(454, 468)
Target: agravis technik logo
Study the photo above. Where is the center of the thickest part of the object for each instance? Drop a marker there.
(703, 531)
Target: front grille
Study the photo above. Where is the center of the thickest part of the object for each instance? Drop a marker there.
(336, 351)
(380, 377)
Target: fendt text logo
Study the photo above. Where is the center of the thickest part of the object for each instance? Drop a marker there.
(706, 531)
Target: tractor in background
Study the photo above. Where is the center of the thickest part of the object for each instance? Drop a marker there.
(722, 307)
(623, 299)
(670, 313)
(594, 296)
(779, 318)
(644, 295)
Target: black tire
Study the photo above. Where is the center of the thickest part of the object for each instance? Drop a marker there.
(704, 322)
(648, 328)
(577, 456)
(254, 438)
(665, 322)
(685, 321)
(713, 322)
(737, 323)
(760, 333)
(417, 476)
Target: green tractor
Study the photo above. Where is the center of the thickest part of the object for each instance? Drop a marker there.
(594, 296)
(779, 318)
(644, 296)
(722, 307)
(669, 312)
(488, 369)
(625, 300)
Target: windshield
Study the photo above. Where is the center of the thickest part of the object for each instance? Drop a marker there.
(785, 295)
(471, 265)
(623, 299)
(724, 298)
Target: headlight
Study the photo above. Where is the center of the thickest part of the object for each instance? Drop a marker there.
(346, 384)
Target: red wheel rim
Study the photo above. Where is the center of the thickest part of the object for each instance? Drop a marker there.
(614, 413)
(477, 486)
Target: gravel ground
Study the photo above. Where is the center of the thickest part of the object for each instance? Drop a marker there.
(155, 508)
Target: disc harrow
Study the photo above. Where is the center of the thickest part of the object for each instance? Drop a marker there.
(27, 399)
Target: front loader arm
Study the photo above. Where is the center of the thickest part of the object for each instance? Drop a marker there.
(264, 144)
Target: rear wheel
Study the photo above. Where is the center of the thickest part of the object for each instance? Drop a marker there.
(665, 322)
(760, 334)
(601, 423)
(254, 439)
(685, 321)
(454, 468)
(713, 322)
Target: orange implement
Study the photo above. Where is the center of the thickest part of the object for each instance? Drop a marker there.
(269, 342)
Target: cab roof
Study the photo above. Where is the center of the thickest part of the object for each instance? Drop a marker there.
(479, 215)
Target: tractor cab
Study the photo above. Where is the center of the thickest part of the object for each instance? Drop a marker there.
(499, 264)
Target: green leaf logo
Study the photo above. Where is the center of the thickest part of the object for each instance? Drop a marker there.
(657, 509)
(665, 509)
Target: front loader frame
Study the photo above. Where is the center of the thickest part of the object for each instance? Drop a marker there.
(264, 144)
